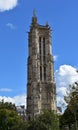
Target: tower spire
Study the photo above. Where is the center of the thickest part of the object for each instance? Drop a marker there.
(34, 18)
(34, 13)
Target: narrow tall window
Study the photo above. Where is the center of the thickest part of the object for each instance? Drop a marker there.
(44, 73)
(40, 73)
(44, 49)
(40, 47)
(43, 45)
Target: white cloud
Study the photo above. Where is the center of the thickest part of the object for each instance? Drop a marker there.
(20, 100)
(11, 26)
(61, 101)
(55, 57)
(7, 4)
(17, 100)
(65, 76)
(5, 90)
(62, 91)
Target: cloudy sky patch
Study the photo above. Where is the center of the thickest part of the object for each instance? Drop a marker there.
(11, 26)
(55, 57)
(7, 5)
(65, 76)
(17, 100)
(5, 90)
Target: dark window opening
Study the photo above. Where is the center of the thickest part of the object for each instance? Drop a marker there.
(44, 73)
(43, 39)
(40, 73)
(39, 39)
(44, 49)
(40, 47)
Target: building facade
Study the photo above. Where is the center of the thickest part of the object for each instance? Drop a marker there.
(41, 87)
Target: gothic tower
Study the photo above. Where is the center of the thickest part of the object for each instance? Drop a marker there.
(41, 88)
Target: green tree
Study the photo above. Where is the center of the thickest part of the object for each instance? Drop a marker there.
(7, 105)
(45, 121)
(9, 118)
(72, 100)
(70, 115)
(66, 119)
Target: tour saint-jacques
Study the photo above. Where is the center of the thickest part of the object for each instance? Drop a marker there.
(41, 86)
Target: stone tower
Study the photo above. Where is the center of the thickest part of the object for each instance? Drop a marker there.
(41, 87)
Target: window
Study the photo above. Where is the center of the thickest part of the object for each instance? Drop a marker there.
(43, 39)
(43, 46)
(40, 73)
(39, 39)
(44, 73)
(40, 47)
(43, 49)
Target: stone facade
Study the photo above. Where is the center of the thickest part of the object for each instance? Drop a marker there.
(41, 87)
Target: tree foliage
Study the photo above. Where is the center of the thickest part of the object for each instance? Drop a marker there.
(72, 98)
(9, 118)
(7, 105)
(70, 115)
(45, 121)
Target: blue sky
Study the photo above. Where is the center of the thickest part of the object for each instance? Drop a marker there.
(15, 20)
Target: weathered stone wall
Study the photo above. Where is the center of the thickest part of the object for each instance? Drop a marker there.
(41, 88)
